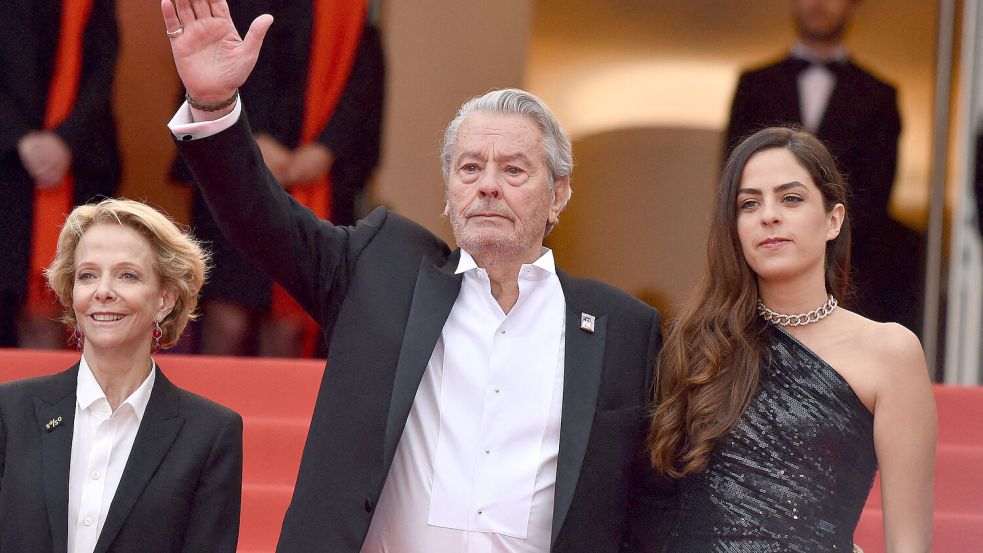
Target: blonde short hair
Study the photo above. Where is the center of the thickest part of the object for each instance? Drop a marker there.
(180, 261)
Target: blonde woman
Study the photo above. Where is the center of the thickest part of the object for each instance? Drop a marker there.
(109, 455)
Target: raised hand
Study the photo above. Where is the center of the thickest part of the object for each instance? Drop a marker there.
(211, 59)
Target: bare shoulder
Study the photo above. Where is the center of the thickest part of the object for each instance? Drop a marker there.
(890, 346)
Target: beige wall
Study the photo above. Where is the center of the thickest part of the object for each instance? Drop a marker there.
(146, 91)
(439, 54)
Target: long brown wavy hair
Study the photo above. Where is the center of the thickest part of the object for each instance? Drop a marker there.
(709, 367)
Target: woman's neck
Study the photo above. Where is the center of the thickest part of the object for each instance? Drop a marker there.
(792, 297)
(119, 374)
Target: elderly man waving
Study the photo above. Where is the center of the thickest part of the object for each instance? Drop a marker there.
(474, 400)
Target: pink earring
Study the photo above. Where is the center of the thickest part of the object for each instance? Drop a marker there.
(157, 334)
(76, 338)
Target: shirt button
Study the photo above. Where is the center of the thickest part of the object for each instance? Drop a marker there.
(95, 475)
(487, 452)
(480, 512)
(87, 521)
(503, 331)
(498, 390)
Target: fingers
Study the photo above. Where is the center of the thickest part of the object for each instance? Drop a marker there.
(220, 8)
(184, 12)
(256, 34)
(171, 21)
(201, 9)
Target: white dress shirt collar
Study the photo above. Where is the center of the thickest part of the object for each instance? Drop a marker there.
(545, 263)
(88, 390)
(804, 52)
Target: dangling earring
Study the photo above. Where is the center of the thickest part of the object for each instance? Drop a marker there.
(77, 338)
(157, 334)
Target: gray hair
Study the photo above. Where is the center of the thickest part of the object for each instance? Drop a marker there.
(556, 142)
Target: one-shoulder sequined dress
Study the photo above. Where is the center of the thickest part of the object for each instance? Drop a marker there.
(793, 473)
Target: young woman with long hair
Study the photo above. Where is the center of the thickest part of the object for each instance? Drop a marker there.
(776, 406)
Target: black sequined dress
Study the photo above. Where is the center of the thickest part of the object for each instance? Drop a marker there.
(794, 472)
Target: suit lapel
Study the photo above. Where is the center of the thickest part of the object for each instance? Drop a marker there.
(583, 362)
(433, 297)
(158, 429)
(841, 104)
(791, 106)
(57, 402)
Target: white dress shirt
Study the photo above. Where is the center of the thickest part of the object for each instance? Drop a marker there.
(815, 84)
(475, 468)
(101, 444)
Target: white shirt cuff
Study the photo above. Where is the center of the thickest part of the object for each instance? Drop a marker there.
(183, 126)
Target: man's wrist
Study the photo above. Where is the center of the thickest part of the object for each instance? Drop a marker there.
(211, 106)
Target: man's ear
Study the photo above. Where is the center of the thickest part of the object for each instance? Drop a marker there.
(561, 196)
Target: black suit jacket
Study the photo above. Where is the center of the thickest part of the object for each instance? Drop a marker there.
(860, 126)
(27, 51)
(180, 490)
(382, 290)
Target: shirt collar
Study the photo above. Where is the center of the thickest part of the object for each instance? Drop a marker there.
(801, 51)
(544, 263)
(88, 390)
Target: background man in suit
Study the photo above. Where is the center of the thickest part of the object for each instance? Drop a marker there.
(58, 146)
(474, 400)
(315, 103)
(856, 116)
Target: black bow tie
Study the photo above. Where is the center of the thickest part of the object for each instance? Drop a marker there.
(799, 65)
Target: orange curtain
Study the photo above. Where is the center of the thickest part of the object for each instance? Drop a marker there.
(51, 205)
(337, 29)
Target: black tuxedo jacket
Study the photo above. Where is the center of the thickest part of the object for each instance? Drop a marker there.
(860, 126)
(180, 491)
(382, 290)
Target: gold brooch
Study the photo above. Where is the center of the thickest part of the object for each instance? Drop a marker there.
(52, 424)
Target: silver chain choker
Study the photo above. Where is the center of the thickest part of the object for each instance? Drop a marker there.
(801, 319)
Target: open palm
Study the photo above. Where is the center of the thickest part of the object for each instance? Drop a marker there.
(211, 59)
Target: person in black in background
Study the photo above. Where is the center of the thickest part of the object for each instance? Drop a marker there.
(58, 146)
(855, 114)
(343, 148)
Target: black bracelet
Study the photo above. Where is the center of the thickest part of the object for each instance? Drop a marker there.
(211, 107)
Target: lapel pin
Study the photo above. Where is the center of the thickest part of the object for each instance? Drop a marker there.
(587, 322)
(52, 424)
